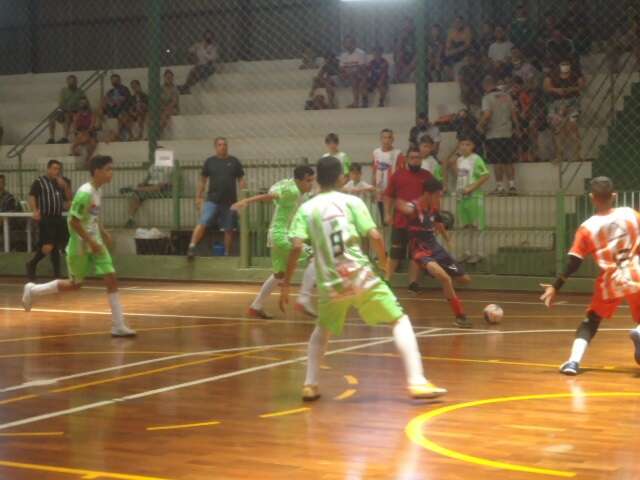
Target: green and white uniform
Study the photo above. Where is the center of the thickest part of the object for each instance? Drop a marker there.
(471, 207)
(80, 259)
(333, 224)
(345, 160)
(288, 201)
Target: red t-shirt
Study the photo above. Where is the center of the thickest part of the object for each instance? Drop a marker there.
(406, 186)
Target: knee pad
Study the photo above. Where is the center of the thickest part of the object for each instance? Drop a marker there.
(589, 326)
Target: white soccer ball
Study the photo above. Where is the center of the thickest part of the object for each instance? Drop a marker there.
(493, 313)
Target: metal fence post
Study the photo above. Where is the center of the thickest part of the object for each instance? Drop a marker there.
(176, 181)
(560, 232)
(245, 251)
(422, 77)
(154, 9)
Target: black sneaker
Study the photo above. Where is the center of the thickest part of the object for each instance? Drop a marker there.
(635, 338)
(414, 288)
(512, 192)
(63, 140)
(463, 322)
(570, 368)
(191, 253)
(51, 141)
(31, 271)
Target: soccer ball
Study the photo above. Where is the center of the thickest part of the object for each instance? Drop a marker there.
(493, 313)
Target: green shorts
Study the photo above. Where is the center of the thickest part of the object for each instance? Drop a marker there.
(376, 305)
(280, 250)
(471, 212)
(81, 266)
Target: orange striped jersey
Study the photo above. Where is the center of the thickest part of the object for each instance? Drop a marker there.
(613, 240)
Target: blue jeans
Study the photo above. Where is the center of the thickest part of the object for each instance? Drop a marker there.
(225, 218)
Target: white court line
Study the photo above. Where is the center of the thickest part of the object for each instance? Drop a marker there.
(192, 383)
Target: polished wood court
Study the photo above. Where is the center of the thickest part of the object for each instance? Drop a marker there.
(205, 393)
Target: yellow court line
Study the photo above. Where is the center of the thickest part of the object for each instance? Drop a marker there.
(186, 425)
(351, 380)
(17, 399)
(86, 474)
(285, 412)
(346, 394)
(64, 354)
(32, 434)
(264, 357)
(415, 427)
(537, 428)
(150, 372)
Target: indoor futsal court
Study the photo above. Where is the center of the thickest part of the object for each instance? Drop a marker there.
(205, 393)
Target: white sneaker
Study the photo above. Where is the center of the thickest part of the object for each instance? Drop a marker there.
(122, 331)
(306, 308)
(27, 300)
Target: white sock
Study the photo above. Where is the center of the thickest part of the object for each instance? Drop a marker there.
(48, 288)
(116, 310)
(315, 352)
(578, 349)
(308, 282)
(267, 287)
(638, 327)
(407, 345)
(512, 184)
(191, 244)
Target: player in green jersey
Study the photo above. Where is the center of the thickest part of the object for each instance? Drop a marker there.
(87, 248)
(333, 223)
(286, 196)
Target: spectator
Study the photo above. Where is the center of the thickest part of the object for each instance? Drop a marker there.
(137, 110)
(424, 127)
(429, 162)
(487, 37)
(308, 58)
(377, 77)
(404, 53)
(523, 100)
(576, 26)
(459, 42)
(500, 52)
(564, 85)
(559, 47)
(353, 70)
(67, 106)
(470, 79)
(405, 184)
(386, 160)
(356, 186)
(332, 142)
(520, 67)
(225, 175)
(8, 202)
(84, 131)
(203, 55)
(625, 39)
(465, 125)
(522, 33)
(157, 184)
(326, 79)
(435, 54)
(50, 194)
(114, 107)
(169, 100)
(498, 118)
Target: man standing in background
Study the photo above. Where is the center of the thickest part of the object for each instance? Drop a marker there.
(225, 175)
(50, 194)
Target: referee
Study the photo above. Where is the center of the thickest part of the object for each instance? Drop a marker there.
(50, 194)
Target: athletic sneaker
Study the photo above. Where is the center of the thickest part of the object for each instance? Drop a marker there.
(570, 368)
(635, 338)
(513, 192)
(426, 391)
(310, 393)
(123, 331)
(63, 140)
(254, 313)
(305, 308)
(27, 300)
(414, 288)
(51, 141)
(191, 253)
(463, 322)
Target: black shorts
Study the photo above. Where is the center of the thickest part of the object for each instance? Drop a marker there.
(500, 151)
(437, 254)
(399, 243)
(53, 231)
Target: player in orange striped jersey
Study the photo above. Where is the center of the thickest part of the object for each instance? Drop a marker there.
(612, 236)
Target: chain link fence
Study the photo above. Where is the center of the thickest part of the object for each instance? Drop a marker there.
(275, 76)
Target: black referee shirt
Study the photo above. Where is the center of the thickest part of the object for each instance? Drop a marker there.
(49, 196)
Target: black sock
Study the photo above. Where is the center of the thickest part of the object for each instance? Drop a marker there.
(55, 263)
(36, 258)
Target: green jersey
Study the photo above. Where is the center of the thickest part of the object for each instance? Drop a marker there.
(287, 202)
(333, 222)
(470, 170)
(345, 160)
(86, 208)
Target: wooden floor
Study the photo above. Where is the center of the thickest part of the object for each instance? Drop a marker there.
(205, 393)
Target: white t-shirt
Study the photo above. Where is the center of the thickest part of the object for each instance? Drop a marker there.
(351, 188)
(357, 58)
(431, 165)
(500, 51)
(385, 165)
(204, 52)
